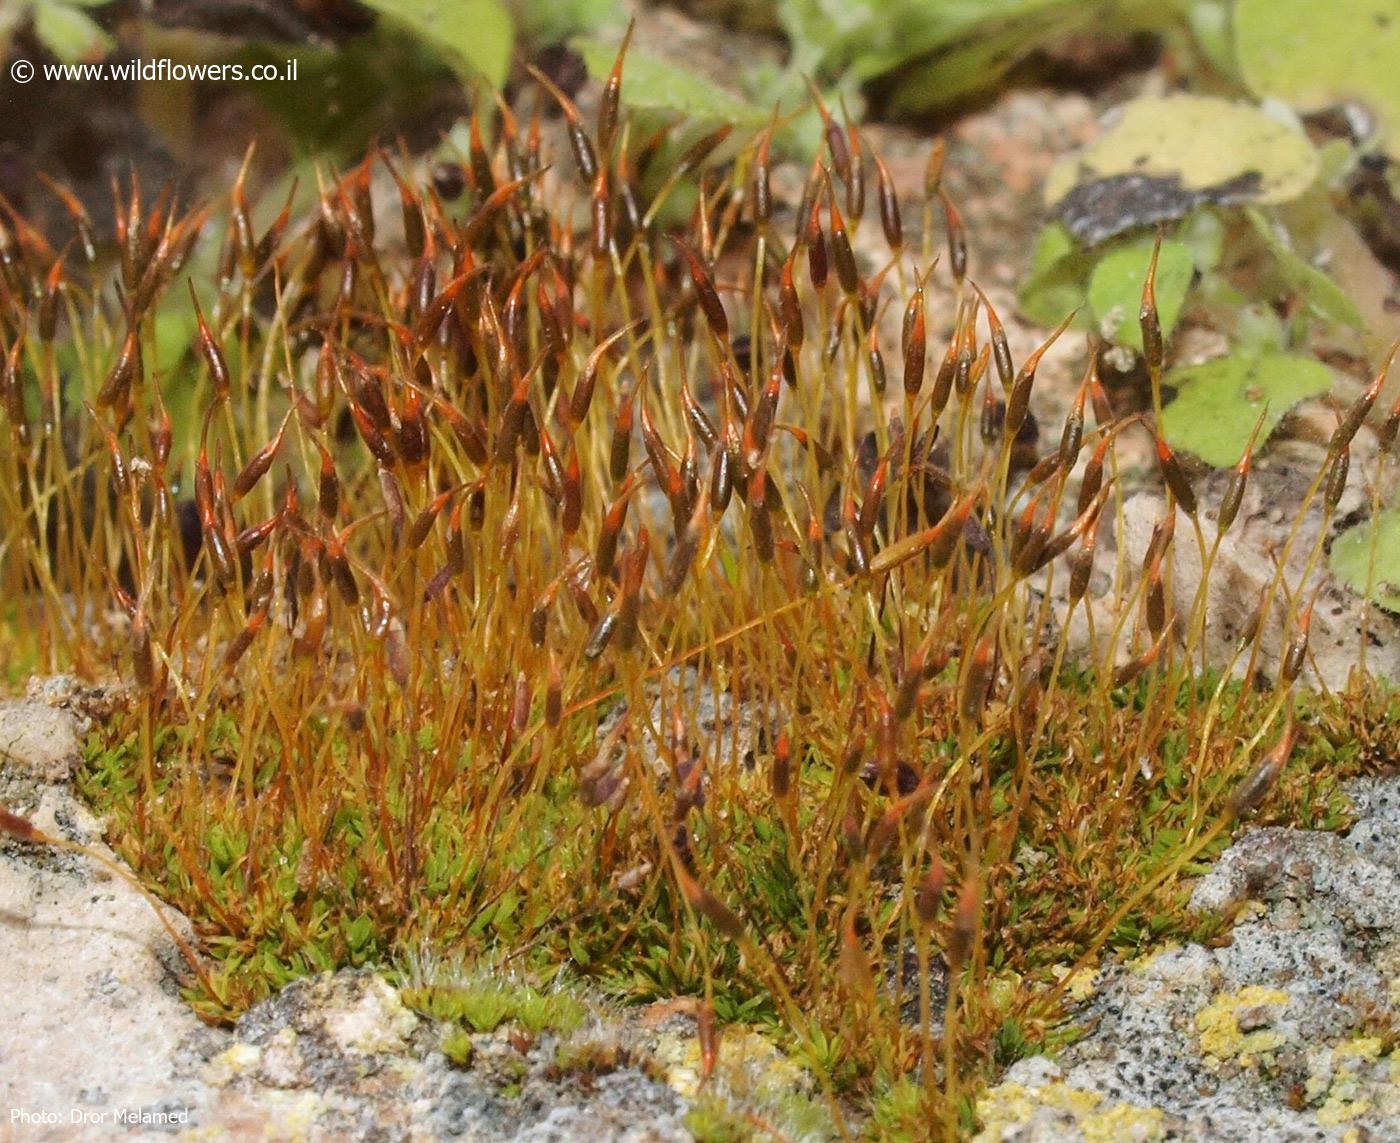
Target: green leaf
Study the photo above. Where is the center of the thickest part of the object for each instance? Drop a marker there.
(1058, 273)
(1323, 296)
(1319, 55)
(1355, 549)
(1115, 289)
(1218, 403)
(476, 32)
(70, 34)
(649, 83)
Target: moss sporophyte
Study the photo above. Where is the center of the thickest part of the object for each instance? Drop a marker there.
(425, 652)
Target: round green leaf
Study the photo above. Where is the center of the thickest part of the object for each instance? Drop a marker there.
(1316, 55)
(1201, 144)
(1218, 403)
(1115, 290)
(1353, 552)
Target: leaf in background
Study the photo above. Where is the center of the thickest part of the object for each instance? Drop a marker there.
(1209, 21)
(1352, 554)
(1318, 55)
(651, 83)
(1218, 403)
(1058, 274)
(70, 34)
(475, 32)
(1167, 156)
(1324, 297)
(347, 97)
(556, 21)
(1115, 289)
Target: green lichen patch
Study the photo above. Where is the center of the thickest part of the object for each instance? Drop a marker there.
(1201, 142)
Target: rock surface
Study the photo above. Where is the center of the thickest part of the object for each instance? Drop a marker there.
(1288, 1032)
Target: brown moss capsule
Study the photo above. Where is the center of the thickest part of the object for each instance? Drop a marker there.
(789, 307)
(1175, 477)
(373, 438)
(705, 903)
(613, 519)
(116, 389)
(890, 220)
(1297, 653)
(600, 216)
(831, 131)
(915, 343)
(933, 169)
(855, 173)
(1001, 348)
(928, 897)
(977, 677)
(1073, 435)
(469, 436)
(873, 499)
(875, 363)
(687, 545)
(1337, 479)
(1082, 566)
(261, 462)
(762, 187)
(760, 520)
(21, 829)
(48, 302)
(1152, 347)
(815, 243)
(962, 935)
(1093, 474)
(1155, 605)
(1131, 670)
(584, 155)
(456, 545)
(1018, 403)
(1388, 431)
(630, 598)
(957, 238)
(841, 253)
(704, 291)
(780, 772)
(1351, 422)
(1263, 778)
(611, 98)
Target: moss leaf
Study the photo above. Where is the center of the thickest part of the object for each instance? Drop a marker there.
(478, 33)
(1317, 55)
(1115, 290)
(1218, 403)
(1352, 554)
